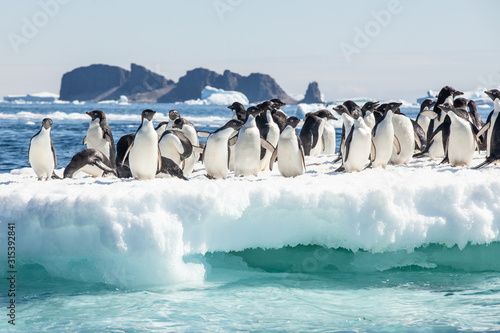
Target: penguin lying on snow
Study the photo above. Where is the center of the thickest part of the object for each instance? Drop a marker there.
(90, 161)
(41, 152)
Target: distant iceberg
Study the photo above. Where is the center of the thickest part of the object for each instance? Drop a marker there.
(214, 96)
(39, 97)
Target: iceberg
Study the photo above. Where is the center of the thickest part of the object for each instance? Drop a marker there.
(46, 97)
(130, 233)
(214, 96)
(478, 95)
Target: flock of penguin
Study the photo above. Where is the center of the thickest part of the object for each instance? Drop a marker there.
(373, 135)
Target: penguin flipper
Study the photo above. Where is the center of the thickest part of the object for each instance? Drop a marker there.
(348, 143)
(233, 140)
(55, 176)
(429, 113)
(53, 153)
(203, 134)
(104, 167)
(417, 141)
(126, 153)
(274, 156)
(159, 159)
(266, 144)
(301, 147)
(483, 129)
(373, 152)
(84, 141)
(397, 145)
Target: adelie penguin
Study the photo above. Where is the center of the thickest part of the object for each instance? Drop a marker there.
(269, 130)
(357, 145)
(176, 146)
(216, 151)
(145, 158)
(329, 136)
(405, 134)
(289, 151)
(422, 119)
(247, 148)
(279, 116)
(99, 135)
(239, 112)
(41, 152)
(492, 130)
(383, 135)
(459, 136)
(311, 135)
(92, 162)
(368, 113)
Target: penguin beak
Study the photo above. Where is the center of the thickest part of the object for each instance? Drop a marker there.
(457, 93)
(230, 107)
(490, 95)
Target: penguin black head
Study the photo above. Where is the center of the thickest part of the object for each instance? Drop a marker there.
(47, 123)
(278, 103)
(268, 105)
(292, 121)
(386, 107)
(180, 123)
(325, 114)
(460, 103)
(148, 114)
(428, 103)
(236, 106)
(340, 109)
(96, 114)
(369, 106)
(174, 114)
(493, 94)
(234, 124)
(350, 105)
(254, 111)
(447, 91)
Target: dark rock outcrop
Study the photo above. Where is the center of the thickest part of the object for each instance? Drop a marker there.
(102, 82)
(88, 83)
(257, 87)
(313, 95)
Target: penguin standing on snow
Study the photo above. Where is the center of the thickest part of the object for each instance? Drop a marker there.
(383, 135)
(144, 159)
(403, 131)
(122, 163)
(492, 130)
(99, 135)
(279, 116)
(289, 151)
(239, 112)
(357, 145)
(269, 130)
(459, 137)
(41, 152)
(329, 136)
(422, 119)
(311, 135)
(216, 151)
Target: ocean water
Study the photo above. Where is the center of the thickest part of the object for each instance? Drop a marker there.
(407, 249)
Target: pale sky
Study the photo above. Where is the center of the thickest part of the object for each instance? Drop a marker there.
(378, 49)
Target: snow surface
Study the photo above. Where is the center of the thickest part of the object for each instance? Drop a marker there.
(214, 96)
(127, 232)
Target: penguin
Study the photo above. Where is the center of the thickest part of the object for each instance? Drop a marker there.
(403, 131)
(357, 144)
(144, 159)
(239, 112)
(279, 116)
(368, 115)
(459, 139)
(422, 119)
(99, 135)
(176, 146)
(248, 145)
(268, 130)
(169, 169)
(420, 137)
(289, 151)
(347, 123)
(91, 161)
(446, 95)
(311, 135)
(41, 152)
(189, 130)
(383, 135)
(492, 130)
(123, 169)
(160, 128)
(329, 135)
(216, 151)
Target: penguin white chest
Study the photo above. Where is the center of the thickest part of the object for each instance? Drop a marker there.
(329, 139)
(40, 155)
(403, 130)
(383, 141)
(95, 138)
(216, 152)
(359, 147)
(461, 144)
(290, 159)
(143, 158)
(247, 151)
